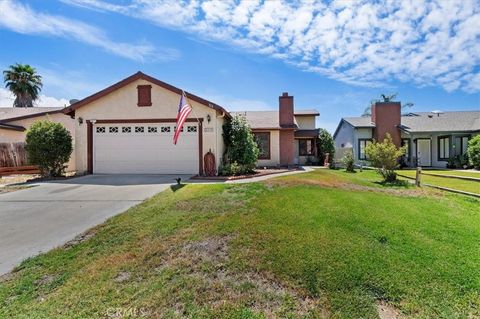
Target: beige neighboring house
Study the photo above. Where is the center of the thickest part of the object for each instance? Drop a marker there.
(128, 128)
(15, 121)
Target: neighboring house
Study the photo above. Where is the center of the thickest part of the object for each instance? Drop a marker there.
(128, 128)
(14, 122)
(431, 137)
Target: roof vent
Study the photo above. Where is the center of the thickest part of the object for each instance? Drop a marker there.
(73, 101)
(437, 112)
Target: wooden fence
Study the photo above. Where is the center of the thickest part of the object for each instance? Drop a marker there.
(13, 159)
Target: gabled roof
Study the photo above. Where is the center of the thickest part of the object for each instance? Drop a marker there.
(270, 119)
(416, 122)
(8, 114)
(459, 121)
(137, 76)
(363, 121)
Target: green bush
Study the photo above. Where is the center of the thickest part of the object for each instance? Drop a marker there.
(49, 146)
(241, 148)
(234, 169)
(385, 157)
(349, 161)
(473, 151)
(325, 144)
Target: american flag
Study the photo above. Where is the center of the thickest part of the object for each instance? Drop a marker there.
(183, 111)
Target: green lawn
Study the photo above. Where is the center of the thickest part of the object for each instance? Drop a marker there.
(319, 244)
(463, 185)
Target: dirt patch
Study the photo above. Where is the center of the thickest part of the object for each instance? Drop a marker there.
(206, 263)
(387, 311)
(45, 280)
(122, 276)
(79, 239)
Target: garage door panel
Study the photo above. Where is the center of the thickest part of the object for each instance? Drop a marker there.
(119, 150)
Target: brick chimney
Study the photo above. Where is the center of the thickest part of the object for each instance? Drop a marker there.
(387, 117)
(285, 110)
(287, 124)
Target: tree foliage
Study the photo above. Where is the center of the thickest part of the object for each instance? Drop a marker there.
(24, 82)
(325, 144)
(473, 151)
(384, 157)
(241, 148)
(49, 146)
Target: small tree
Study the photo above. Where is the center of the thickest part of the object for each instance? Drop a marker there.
(349, 161)
(49, 146)
(241, 147)
(473, 151)
(325, 144)
(384, 156)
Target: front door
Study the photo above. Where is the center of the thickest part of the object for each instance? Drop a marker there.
(424, 152)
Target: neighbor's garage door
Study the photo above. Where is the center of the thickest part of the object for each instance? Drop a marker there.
(144, 149)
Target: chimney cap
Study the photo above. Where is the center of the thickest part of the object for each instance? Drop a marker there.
(285, 94)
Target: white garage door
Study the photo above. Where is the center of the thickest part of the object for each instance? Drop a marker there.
(144, 149)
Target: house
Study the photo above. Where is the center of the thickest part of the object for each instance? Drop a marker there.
(128, 128)
(431, 137)
(276, 130)
(14, 122)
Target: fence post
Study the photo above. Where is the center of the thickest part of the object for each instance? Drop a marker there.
(418, 176)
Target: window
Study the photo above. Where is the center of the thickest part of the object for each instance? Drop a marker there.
(362, 143)
(101, 129)
(139, 129)
(152, 129)
(305, 147)
(443, 148)
(263, 142)
(113, 129)
(126, 129)
(461, 145)
(191, 128)
(144, 95)
(165, 129)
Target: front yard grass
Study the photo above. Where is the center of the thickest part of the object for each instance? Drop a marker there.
(320, 244)
(454, 183)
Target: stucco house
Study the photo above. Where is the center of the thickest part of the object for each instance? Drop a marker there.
(431, 137)
(128, 128)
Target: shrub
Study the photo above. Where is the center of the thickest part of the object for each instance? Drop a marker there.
(473, 151)
(49, 146)
(349, 161)
(241, 148)
(458, 161)
(325, 144)
(385, 157)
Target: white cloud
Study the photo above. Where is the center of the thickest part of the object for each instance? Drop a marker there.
(22, 19)
(371, 44)
(7, 98)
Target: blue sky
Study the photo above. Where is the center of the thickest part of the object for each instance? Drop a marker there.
(334, 56)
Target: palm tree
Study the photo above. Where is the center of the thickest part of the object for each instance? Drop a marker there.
(384, 98)
(24, 82)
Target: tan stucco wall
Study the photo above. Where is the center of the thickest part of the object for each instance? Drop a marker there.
(274, 149)
(122, 104)
(16, 136)
(305, 122)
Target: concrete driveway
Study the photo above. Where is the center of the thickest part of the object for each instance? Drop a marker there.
(49, 214)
